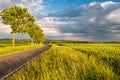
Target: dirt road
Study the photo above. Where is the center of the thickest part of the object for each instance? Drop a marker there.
(11, 62)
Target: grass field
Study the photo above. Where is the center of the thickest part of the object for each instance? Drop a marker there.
(6, 49)
(74, 62)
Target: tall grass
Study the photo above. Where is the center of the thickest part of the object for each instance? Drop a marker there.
(109, 54)
(66, 63)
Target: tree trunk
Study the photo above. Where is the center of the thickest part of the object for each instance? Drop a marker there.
(32, 41)
(13, 40)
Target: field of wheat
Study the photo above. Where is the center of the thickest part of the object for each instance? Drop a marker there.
(74, 62)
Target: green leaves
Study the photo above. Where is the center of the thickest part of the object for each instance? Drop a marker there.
(17, 17)
(35, 32)
(21, 22)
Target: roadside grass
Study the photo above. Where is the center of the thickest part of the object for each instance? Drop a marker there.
(6, 49)
(69, 63)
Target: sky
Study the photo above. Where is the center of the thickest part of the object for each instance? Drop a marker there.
(84, 20)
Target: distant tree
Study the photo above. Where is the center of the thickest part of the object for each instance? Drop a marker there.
(35, 32)
(17, 17)
(39, 35)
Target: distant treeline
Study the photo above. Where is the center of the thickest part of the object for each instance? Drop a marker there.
(88, 42)
(26, 41)
(9, 41)
(68, 41)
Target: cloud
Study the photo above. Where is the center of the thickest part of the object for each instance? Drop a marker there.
(4, 31)
(108, 4)
(94, 21)
(114, 15)
(5, 28)
(32, 5)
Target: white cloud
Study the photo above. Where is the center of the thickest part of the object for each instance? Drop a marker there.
(51, 31)
(32, 5)
(3, 2)
(4, 28)
(114, 16)
(54, 22)
(24, 0)
(92, 20)
(4, 31)
(93, 4)
(107, 4)
(21, 5)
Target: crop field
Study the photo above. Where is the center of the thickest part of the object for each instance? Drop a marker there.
(6, 49)
(74, 62)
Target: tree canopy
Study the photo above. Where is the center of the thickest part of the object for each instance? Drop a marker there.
(35, 32)
(20, 19)
(17, 17)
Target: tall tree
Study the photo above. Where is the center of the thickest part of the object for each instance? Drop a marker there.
(39, 35)
(17, 17)
(35, 32)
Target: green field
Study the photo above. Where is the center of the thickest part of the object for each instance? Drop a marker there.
(6, 49)
(74, 62)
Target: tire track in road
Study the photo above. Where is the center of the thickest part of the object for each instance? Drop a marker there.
(10, 63)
